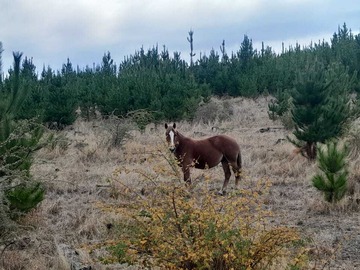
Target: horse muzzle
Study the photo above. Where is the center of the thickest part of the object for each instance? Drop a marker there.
(172, 149)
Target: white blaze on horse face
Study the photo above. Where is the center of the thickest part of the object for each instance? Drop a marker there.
(172, 142)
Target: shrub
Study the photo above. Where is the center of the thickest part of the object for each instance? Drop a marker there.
(119, 129)
(141, 118)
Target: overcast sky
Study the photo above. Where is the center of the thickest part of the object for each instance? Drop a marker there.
(50, 31)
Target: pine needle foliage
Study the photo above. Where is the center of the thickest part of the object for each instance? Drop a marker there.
(23, 198)
(332, 180)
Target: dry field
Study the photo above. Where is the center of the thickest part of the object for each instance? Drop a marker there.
(78, 172)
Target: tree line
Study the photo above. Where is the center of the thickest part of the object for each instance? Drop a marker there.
(170, 88)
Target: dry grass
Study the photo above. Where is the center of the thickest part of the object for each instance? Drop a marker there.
(78, 174)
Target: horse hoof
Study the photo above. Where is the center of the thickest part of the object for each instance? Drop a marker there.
(221, 192)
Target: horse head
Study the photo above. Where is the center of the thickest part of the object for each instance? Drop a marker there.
(171, 137)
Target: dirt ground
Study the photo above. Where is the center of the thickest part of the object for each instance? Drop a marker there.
(78, 169)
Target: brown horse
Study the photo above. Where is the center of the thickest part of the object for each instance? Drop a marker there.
(205, 153)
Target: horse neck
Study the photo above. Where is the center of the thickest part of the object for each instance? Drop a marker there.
(181, 136)
(182, 140)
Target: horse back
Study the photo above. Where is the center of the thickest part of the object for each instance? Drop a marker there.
(211, 151)
(225, 144)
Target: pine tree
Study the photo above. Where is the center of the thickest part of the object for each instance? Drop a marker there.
(11, 103)
(61, 98)
(1, 65)
(319, 112)
(18, 139)
(190, 40)
(280, 105)
(246, 52)
(333, 179)
(33, 106)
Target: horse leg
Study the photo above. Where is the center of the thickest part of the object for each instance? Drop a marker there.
(227, 172)
(186, 171)
(237, 172)
(236, 167)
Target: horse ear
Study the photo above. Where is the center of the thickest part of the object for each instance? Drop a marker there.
(174, 125)
(166, 125)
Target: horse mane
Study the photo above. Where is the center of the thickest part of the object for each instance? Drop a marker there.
(181, 135)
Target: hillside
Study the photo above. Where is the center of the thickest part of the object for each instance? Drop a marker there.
(81, 172)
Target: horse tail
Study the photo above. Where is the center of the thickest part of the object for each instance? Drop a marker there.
(238, 160)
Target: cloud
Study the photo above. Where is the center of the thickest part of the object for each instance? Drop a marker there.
(83, 30)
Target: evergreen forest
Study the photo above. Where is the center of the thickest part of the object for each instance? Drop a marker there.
(167, 87)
